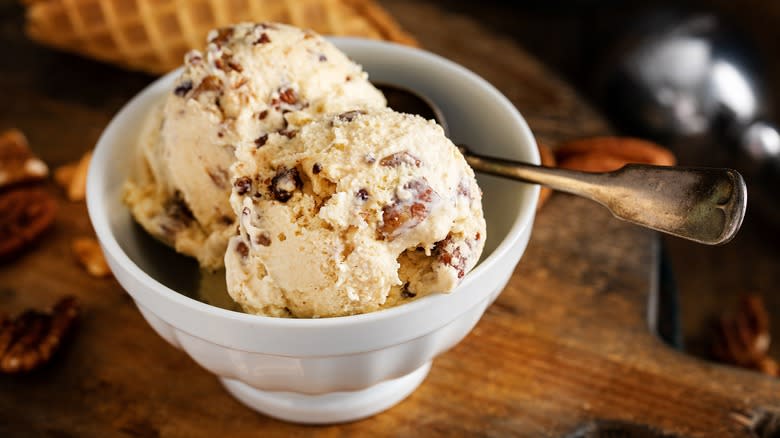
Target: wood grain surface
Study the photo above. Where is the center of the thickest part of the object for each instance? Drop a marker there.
(569, 341)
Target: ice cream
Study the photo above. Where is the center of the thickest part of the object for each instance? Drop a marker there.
(253, 83)
(351, 213)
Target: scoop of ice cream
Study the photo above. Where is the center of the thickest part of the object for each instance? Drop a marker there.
(353, 213)
(253, 81)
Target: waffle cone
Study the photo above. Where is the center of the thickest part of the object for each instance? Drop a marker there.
(154, 35)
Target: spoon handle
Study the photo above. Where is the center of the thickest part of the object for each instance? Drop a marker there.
(705, 205)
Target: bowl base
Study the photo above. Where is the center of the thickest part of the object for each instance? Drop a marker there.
(336, 407)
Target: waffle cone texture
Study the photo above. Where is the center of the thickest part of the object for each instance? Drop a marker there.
(154, 35)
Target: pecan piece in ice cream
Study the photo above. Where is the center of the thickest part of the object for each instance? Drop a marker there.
(404, 214)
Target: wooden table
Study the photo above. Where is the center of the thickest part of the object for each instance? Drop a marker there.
(568, 342)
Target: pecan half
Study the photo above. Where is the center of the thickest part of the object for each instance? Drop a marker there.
(403, 215)
(17, 162)
(26, 214)
(29, 340)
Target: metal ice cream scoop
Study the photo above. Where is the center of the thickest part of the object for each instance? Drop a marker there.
(681, 76)
(705, 205)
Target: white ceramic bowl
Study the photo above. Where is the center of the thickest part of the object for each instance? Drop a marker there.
(334, 369)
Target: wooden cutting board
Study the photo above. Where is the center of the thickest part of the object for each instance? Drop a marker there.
(569, 341)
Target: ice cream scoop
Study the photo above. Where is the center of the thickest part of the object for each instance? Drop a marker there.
(253, 81)
(351, 213)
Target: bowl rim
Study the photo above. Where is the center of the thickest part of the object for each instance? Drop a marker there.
(97, 210)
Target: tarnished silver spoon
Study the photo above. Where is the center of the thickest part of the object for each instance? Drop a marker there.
(705, 205)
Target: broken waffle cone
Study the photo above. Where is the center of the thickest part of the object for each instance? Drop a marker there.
(153, 36)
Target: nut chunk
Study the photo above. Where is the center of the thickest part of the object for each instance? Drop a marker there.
(17, 162)
(26, 214)
(29, 340)
(90, 256)
(284, 183)
(403, 215)
(744, 338)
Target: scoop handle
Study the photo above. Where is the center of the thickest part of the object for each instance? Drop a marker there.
(706, 205)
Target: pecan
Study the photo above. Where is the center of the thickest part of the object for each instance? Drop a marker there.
(449, 253)
(263, 239)
(548, 160)
(284, 183)
(17, 162)
(403, 215)
(26, 214)
(243, 185)
(242, 249)
(90, 256)
(182, 89)
(222, 36)
(349, 115)
(261, 141)
(744, 339)
(605, 154)
(288, 96)
(209, 83)
(289, 133)
(73, 177)
(263, 39)
(399, 158)
(226, 64)
(29, 340)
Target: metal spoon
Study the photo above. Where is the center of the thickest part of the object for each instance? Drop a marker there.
(705, 205)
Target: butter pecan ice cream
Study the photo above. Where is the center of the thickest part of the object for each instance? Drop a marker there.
(254, 82)
(351, 213)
